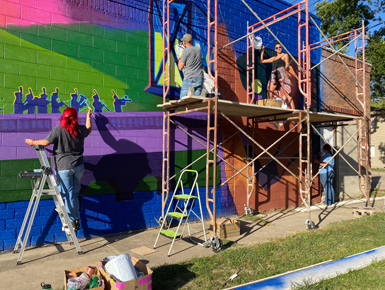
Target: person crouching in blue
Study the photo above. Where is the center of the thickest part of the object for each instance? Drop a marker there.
(327, 174)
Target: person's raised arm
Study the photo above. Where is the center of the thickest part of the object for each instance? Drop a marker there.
(182, 60)
(88, 121)
(269, 60)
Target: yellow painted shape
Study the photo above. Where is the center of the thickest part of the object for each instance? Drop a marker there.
(257, 86)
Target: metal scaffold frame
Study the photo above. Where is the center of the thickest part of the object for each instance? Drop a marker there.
(304, 121)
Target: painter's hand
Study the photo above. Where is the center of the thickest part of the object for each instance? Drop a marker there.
(29, 142)
(263, 48)
(89, 112)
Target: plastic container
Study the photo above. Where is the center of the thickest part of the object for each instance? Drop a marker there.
(122, 268)
(85, 281)
(257, 41)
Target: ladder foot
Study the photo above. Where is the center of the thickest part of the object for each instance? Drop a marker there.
(14, 252)
(18, 263)
(80, 253)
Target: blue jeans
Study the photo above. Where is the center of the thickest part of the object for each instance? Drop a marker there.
(69, 186)
(196, 83)
(327, 183)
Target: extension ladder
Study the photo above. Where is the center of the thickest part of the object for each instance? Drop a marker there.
(43, 176)
(182, 213)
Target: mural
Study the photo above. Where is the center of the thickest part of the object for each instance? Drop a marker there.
(185, 17)
(78, 101)
(111, 60)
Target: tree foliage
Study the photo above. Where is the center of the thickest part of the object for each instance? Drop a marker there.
(339, 16)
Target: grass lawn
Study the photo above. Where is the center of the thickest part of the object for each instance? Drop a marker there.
(371, 277)
(377, 169)
(278, 256)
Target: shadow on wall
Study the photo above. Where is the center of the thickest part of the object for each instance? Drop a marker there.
(122, 170)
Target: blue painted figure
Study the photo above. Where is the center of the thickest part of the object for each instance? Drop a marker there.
(18, 105)
(97, 104)
(56, 103)
(119, 103)
(327, 174)
(30, 102)
(42, 103)
(78, 104)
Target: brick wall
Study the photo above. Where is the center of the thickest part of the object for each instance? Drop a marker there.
(338, 87)
(107, 55)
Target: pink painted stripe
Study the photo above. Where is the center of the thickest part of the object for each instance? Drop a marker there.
(149, 287)
(145, 280)
(120, 285)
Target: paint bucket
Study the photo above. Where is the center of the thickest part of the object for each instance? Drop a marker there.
(122, 268)
(257, 41)
(74, 283)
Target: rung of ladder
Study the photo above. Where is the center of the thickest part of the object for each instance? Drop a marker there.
(177, 215)
(48, 192)
(170, 234)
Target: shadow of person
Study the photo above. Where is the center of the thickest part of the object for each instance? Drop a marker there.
(118, 173)
(122, 170)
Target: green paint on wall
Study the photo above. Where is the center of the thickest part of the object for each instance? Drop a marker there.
(14, 188)
(83, 56)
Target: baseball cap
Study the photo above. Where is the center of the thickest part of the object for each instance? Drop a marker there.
(187, 37)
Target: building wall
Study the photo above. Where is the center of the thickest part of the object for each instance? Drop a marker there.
(338, 94)
(108, 55)
(377, 134)
(338, 87)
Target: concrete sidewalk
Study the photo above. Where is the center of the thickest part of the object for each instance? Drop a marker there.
(47, 264)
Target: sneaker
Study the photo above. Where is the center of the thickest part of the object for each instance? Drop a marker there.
(73, 224)
(77, 223)
(203, 93)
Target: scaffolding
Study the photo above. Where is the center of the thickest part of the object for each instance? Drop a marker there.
(304, 121)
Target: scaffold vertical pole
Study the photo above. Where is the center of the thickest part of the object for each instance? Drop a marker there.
(250, 66)
(166, 114)
(212, 112)
(363, 134)
(304, 84)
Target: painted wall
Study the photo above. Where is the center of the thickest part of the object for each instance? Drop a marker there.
(108, 55)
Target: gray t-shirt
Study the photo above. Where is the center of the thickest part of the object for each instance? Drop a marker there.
(67, 151)
(192, 58)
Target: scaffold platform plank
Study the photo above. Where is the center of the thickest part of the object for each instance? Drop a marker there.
(251, 110)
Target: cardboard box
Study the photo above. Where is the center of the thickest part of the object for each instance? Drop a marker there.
(79, 271)
(227, 228)
(270, 103)
(142, 283)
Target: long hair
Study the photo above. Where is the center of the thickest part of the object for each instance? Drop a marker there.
(69, 121)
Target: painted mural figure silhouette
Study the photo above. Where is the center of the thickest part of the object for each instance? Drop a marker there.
(97, 104)
(78, 104)
(42, 103)
(56, 103)
(30, 102)
(119, 103)
(18, 105)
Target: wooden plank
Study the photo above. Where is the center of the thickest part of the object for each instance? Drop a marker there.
(252, 110)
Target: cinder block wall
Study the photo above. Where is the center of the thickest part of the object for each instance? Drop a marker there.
(55, 54)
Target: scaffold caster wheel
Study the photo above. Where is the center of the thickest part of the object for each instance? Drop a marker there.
(249, 211)
(309, 225)
(216, 245)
